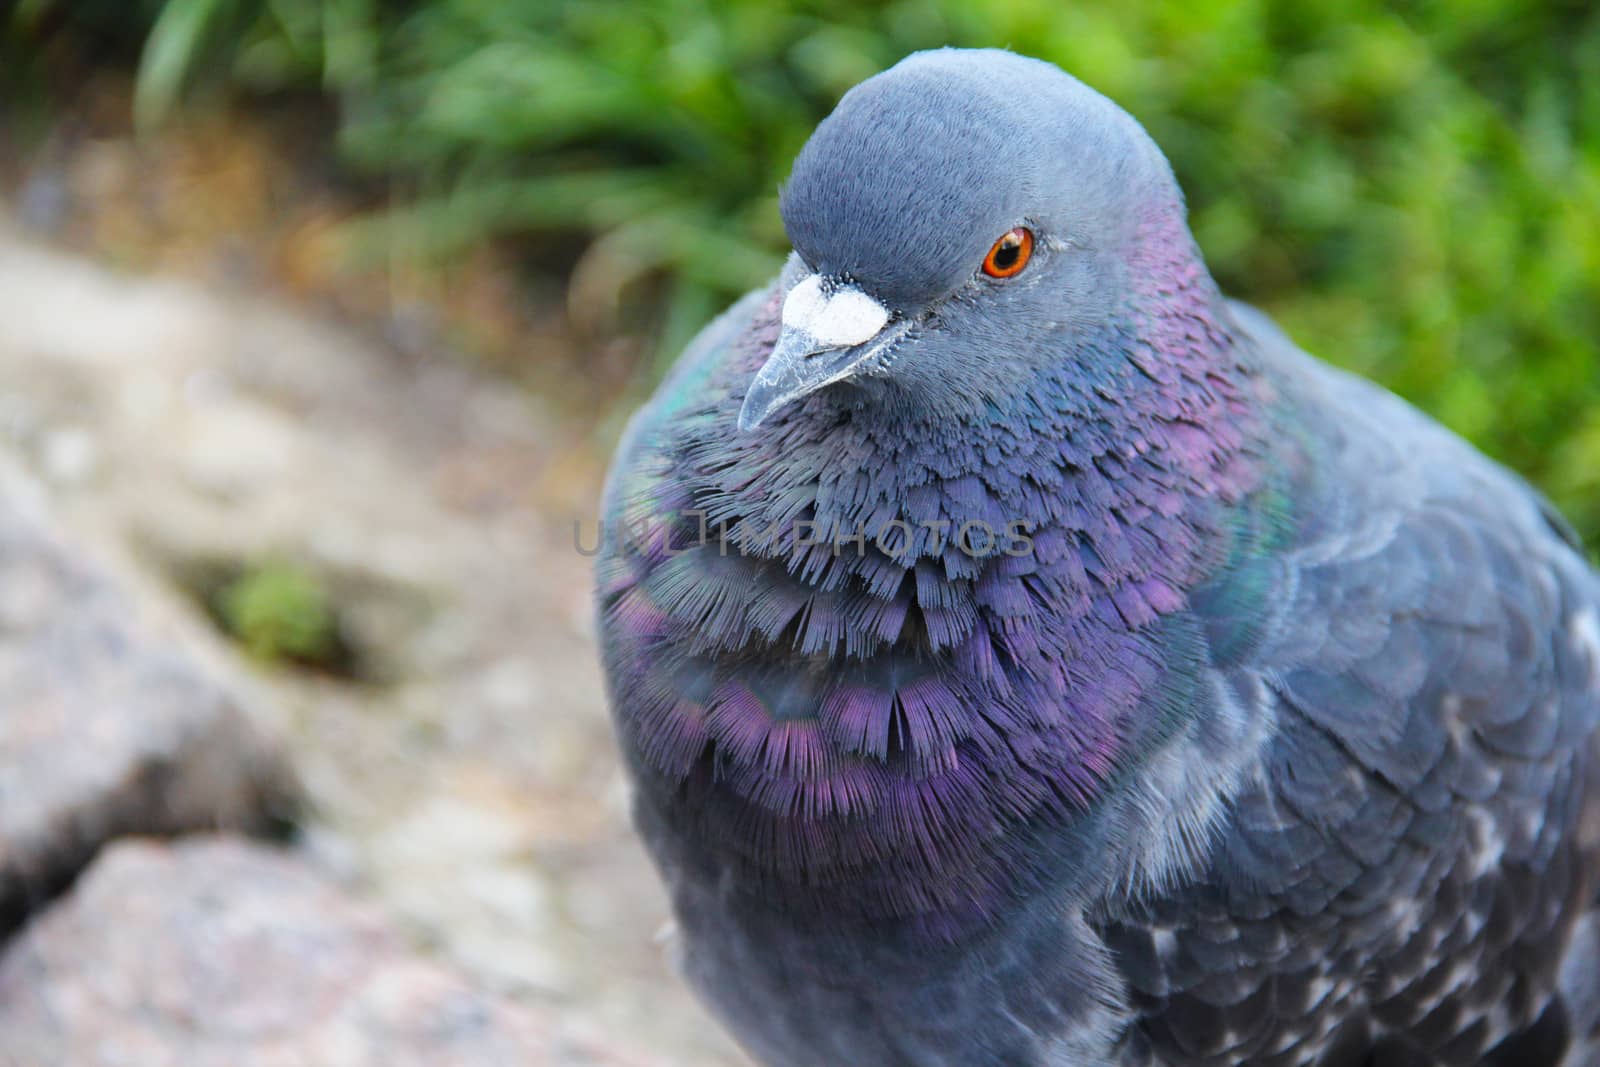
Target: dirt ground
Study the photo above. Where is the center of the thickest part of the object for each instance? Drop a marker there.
(465, 778)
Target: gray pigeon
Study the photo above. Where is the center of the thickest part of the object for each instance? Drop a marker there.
(1024, 655)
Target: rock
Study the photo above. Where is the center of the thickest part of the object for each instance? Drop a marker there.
(113, 722)
(204, 431)
(216, 952)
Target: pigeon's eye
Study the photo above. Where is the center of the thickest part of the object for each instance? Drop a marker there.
(1009, 254)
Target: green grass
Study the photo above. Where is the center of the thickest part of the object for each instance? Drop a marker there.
(1412, 189)
(280, 613)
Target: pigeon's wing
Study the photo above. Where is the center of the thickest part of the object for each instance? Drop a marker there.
(1403, 874)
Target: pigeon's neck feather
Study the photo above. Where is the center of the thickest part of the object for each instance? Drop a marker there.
(871, 717)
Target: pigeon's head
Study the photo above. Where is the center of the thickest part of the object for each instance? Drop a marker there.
(952, 218)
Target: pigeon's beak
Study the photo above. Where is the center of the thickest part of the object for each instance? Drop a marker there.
(826, 329)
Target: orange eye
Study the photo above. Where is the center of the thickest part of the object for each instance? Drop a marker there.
(1009, 254)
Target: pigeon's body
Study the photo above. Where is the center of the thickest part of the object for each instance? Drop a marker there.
(1075, 672)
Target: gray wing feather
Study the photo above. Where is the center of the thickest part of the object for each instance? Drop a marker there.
(1403, 877)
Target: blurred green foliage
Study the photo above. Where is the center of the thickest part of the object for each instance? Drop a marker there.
(280, 613)
(1412, 189)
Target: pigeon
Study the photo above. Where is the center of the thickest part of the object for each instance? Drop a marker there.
(1022, 654)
